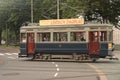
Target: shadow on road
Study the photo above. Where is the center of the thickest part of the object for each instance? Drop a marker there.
(74, 61)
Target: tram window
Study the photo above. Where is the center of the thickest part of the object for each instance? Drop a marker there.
(39, 37)
(23, 37)
(60, 36)
(94, 37)
(110, 36)
(43, 37)
(103, 36)
(77, 36)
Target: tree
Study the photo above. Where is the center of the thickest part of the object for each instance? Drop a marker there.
(16, 12)
(4, 14)
(19, 15)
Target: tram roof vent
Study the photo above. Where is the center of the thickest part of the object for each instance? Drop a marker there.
(33, 24)
(30, 24)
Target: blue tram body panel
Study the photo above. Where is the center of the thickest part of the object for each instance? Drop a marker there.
(23, 49)
(65, 48)
(104, 51)
(61, 48)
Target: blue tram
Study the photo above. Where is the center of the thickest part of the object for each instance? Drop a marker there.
(77, 41)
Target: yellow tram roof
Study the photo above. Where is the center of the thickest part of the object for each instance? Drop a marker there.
(69, 26)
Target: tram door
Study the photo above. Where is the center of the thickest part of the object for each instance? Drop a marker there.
(30, 43)
(94, 42)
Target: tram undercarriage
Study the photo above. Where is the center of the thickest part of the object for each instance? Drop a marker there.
(49, 56)
(75, 57)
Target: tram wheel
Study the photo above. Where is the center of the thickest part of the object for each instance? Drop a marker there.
(94, 60)
(33, 57)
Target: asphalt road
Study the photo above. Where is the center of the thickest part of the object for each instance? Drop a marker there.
(13, 68)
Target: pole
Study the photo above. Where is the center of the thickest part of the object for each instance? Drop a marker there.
(6, 35)
(31, 11)
(58, 17)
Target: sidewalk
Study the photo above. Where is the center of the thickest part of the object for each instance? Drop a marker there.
(9, 49)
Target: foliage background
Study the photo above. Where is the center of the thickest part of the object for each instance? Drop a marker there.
(14, 13)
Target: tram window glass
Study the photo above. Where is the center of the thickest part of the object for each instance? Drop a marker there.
(60, 36)
(77, 36)
(23, 37)
(39, 37)
(94, 36)
(110, 36)
(43, 37)
(103, 36)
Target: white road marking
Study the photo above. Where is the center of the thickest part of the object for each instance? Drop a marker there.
(15, 53)
(1, 54)
(55, 74)
(58, 69)
(11, 58)
(8, 54)
(56, 65)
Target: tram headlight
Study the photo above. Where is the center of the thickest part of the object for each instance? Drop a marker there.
(109, 45)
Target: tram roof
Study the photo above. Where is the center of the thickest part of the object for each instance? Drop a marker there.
(69, 26)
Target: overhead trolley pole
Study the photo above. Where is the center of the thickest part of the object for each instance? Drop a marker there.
(58, 14)
(31, 11)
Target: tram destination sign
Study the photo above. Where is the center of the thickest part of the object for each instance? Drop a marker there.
(61, 22)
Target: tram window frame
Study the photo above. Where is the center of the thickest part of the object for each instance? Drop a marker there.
(43, 37)
(60, 36)
(78, 36)
(23, 37)
(103, 36)
(110, 35)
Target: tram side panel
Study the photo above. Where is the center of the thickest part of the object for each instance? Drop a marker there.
(23, 50)
(55, 49)
(105, 50)
(61, 48)
(65, 49)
